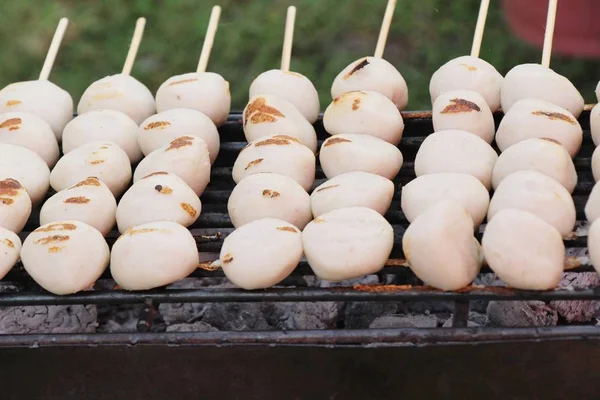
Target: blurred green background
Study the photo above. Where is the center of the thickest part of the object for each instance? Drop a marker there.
(329, 35)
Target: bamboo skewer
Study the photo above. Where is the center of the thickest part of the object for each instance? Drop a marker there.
(134, 46)
(288, 39)
(209, 39)
(479, 28)
(549, 34)
(53, 50)
(385, 28)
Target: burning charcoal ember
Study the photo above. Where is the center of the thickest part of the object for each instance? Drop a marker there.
(521, 313)
(578, 311)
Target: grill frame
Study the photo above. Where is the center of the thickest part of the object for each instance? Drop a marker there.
(214, 225)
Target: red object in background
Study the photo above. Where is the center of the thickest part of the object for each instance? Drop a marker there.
(577, 29)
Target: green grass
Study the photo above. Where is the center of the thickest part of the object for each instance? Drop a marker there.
(329, 35)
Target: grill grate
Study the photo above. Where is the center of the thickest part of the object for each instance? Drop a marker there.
(214, 225)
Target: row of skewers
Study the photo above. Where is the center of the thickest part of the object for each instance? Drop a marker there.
(339, 227)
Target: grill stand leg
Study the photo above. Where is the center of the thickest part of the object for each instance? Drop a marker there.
(461, 314)
(147, 315)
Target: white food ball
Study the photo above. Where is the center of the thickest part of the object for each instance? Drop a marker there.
(440, 248)
(347, 243)
(595, 124)
(422, 193)
(598, 91)
(593, 245)
(30, 131)
(89, 201)
(153, 255)
(466, 110)
(524, 250)
(539, 82)
(120, 93)
(42, 98)
(267, 114)
(65, 257)
(27, 168)
(10, 248)
(468, 73)
(160, 129)
(356, 152)
(353, 189)
(279, 154)
(365, 112)
(206, 92)
(375, 74)
(538, 194)
(101, 125)
(186, 156)
(592, 207)
(595, 164)
(160, 196)
(15, 205)
(456, 151)
(533, 118)
(261, 253)
(544, 155)
(291, 86)
(103, 160)
(269, 195)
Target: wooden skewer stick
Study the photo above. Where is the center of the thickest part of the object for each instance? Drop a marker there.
(53, 50)
(209, 39)
(288, 39)
(134, 46)
(549, 34)
(479, 28)
(385, 28)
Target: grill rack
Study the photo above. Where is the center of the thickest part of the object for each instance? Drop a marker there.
(214, 225)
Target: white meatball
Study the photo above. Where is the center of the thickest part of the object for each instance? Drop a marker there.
(162, 128)
(353, 189)
(206, 92)
(269, 195)
(261, 253)
(186, 156)
(594, 245)
(456, 151)
(539, 82)
(524, 250)
(27, 168)
(10, 248)
(15, 205)
(466, 110)
(422, 193)
(65, 257)
(598, 91)
(440, 248)
(538, 194)
(356, 152)
(468, 73)
(30, 131)
(291, 86)
(103, 160)
(89, 201)
(533, 118)
(267, 115)
(592, 207)
(42, 98)
(595, 124)
(101, 125)
(365, 112)
(279, 154)
(120, 93)
(376, 74)
(595, 164)
(347, 243)
(158, 197)
(153, 255)
(538, 154)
